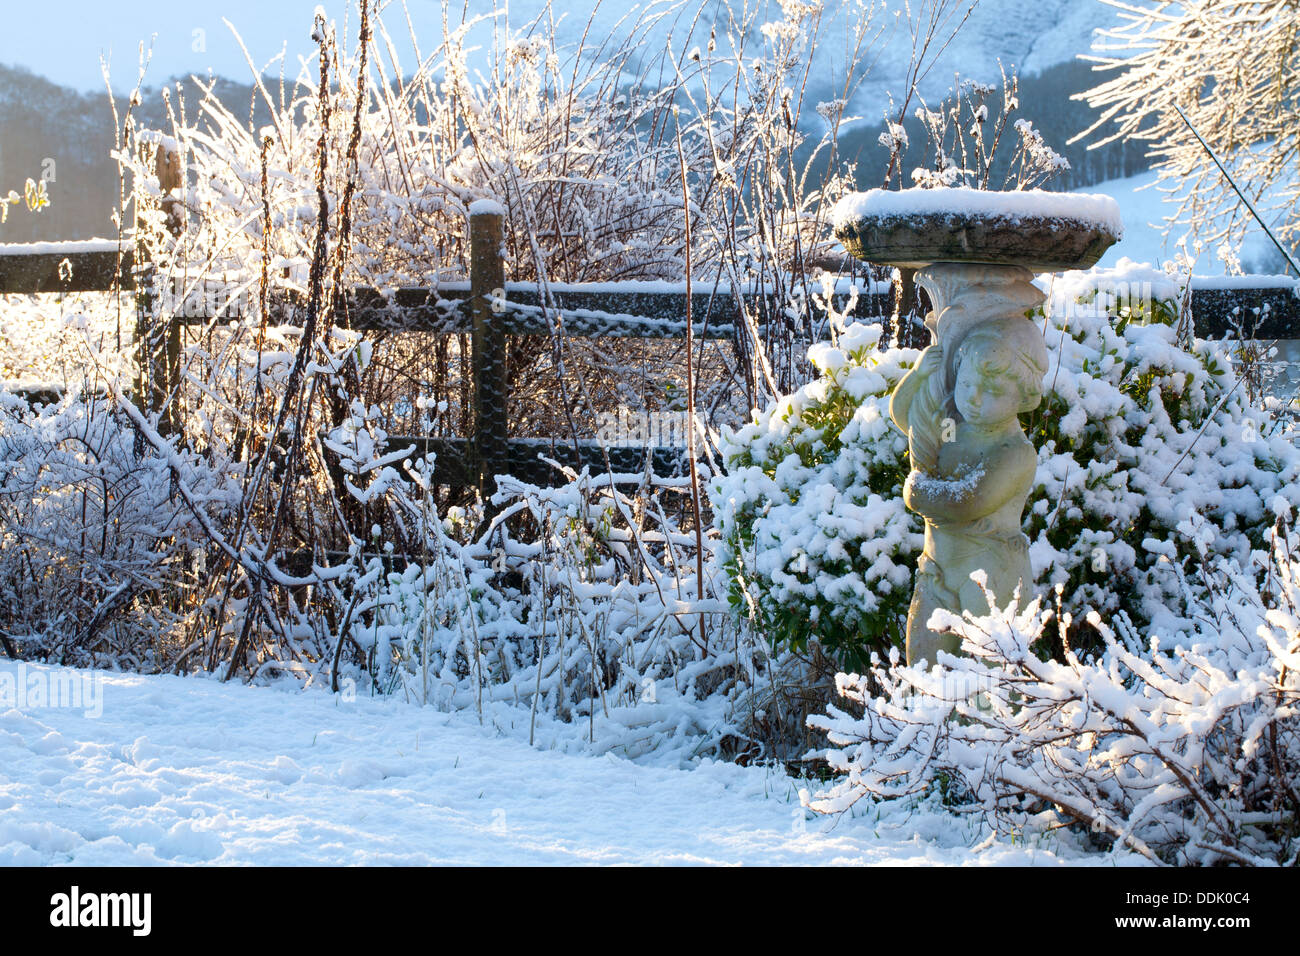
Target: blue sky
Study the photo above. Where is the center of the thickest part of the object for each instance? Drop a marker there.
(63, 39)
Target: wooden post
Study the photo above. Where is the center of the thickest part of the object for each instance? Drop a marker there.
(167, 166)
(158, 374)
(487, 279)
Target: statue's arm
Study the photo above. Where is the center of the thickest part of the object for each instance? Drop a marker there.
(900, 403)
(1007, 476)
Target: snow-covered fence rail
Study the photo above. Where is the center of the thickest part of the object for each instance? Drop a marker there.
(1267, 307)
(90, 265)
(489, 309)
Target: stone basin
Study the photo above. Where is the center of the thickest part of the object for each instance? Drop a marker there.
(1042, 231)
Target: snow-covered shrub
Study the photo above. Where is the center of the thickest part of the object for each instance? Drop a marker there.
(815, 539)
(593, 619)
(1186, 749)
(1151, 455)
(95, 550)
(1151, 459)
(43, 338)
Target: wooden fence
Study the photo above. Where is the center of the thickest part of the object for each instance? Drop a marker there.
(486, 307)
(490, 309)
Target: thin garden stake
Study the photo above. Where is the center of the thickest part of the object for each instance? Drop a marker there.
(1237, 189)
(690, 392)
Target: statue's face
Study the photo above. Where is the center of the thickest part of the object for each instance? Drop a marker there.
(986, 394)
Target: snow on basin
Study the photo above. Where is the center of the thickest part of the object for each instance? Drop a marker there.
(1092, 210)
(1043, 231)
(163, 770)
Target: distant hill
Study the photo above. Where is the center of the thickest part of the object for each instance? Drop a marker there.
(41, 121)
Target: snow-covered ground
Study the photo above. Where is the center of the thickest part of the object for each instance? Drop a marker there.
(163, 770)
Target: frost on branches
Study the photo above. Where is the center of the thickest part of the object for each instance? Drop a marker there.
(1233, 66)
(963, 139)
(1186, 751)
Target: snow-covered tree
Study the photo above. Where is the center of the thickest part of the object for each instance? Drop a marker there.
(1233, 66)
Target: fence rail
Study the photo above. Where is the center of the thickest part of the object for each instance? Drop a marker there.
(79, 267)
(599, 310)
(489, 309)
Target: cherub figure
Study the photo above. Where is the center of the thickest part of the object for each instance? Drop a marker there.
(972, 470)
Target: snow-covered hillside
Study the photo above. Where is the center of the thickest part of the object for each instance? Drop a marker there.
(147, 770)
(1029, 35)
(1144, 204)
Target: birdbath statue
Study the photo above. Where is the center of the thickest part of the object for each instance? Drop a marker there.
(976, 253)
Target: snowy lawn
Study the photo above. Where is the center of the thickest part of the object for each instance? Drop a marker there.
(187, 770)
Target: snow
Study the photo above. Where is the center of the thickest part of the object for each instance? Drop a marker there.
(168, 144)
(841, 285)
(954, 488)
(1096, 210)
(41, 336)
(189, 770)
(1071, 29)
(66, 247)
(486, 207)
(1246, 282)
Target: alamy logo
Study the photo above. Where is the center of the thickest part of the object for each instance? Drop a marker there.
(27, 688)
(634, 429)
(74, 909)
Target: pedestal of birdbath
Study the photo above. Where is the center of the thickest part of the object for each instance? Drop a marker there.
(976, 253)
